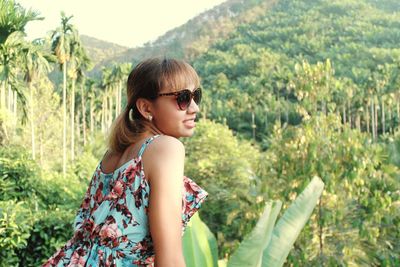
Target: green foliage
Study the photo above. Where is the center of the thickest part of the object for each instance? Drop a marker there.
(199, 244)
(18, 174)
(15, 228)
(4, 124)
(266, 245)
(250, 250)
(224, 167)
(268, 66)
(13, 17)
(51, 229)
(393, 147)
(37, 208)
(358, 218)
(288, 227)
(47, 121)
(84, 165)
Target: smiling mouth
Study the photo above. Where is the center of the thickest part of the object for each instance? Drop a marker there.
(190, 123)
(193, 119)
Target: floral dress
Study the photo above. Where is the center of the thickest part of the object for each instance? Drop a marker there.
(111, 227)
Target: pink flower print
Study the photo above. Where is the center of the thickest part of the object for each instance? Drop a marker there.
(124, 238)
(53, 261)
(85, 203)
(77, 260)
(138, 197)
(186, 207)
(100, 253)
(149, 260)
(192, 197)
(117, 191)
(118, 188)
(88, 225)
(124, 224)
(110, 220)
(138, 246)
(131, 172)
(109, 261)
(109, 234)
(99, 194)
(190, 186)
(120, 255)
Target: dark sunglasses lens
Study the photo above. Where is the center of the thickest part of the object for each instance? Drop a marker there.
(184, 99)
(197, 96)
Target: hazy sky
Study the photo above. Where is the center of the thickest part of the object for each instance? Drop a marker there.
(127, 22)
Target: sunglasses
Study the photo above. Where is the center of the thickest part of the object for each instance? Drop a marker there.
(185, 96)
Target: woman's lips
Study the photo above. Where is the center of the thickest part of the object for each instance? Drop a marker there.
(189, 123)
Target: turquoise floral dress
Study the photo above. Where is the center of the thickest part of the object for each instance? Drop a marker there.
(111, 227)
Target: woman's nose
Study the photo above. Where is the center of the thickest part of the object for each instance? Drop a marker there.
(193, 107)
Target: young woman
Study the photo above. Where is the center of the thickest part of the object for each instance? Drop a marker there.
(138, 201)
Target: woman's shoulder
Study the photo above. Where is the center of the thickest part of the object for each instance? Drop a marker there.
(165, 145)
(164, 159)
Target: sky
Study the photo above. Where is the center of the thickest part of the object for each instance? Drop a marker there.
(129, 23)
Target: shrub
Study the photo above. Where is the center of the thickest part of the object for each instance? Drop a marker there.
(15, 227)
(52, 228)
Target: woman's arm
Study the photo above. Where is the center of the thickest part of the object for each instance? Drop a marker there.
(163, 166)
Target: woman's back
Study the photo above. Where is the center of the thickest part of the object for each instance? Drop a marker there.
(112, 227)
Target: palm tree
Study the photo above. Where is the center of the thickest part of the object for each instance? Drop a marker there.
(119, 74)
(107, 85)
(35, 63)
(90, 87)
(62, 40)
(86, 89)
(79, 63)
(13, 18)
(10, 57)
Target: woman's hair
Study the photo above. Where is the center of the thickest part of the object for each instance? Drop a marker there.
(146, 80)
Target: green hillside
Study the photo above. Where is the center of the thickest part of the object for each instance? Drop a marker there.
(195, 36)
(99, 50)
(255, 71)
(281, 80)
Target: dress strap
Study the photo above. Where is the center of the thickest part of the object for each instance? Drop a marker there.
(146, 143)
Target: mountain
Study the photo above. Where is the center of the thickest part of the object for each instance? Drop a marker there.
(99, 50)
(339, 55)
(194, 37)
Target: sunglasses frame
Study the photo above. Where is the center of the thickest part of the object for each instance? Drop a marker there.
(192, 95)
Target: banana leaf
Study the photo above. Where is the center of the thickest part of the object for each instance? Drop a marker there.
(250, 250)
(290, 224)
(199, 244)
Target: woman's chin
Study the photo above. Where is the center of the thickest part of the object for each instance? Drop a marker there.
(187, 133)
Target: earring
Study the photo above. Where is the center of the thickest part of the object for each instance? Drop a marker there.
(150, 118)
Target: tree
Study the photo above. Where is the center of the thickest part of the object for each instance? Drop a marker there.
(13, 18)
(119, 74)
(91, 87)
(35, 64)
(62, 42)
(107, 84)
(226, 170)
(351, 225)
(79, 63)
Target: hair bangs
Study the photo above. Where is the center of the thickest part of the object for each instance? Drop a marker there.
(177, 75)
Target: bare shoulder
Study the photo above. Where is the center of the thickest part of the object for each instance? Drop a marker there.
(164, 159)
(165, 145)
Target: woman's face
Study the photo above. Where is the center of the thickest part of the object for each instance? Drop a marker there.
(170, 120)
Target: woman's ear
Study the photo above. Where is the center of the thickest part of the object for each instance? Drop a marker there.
(144, 107)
